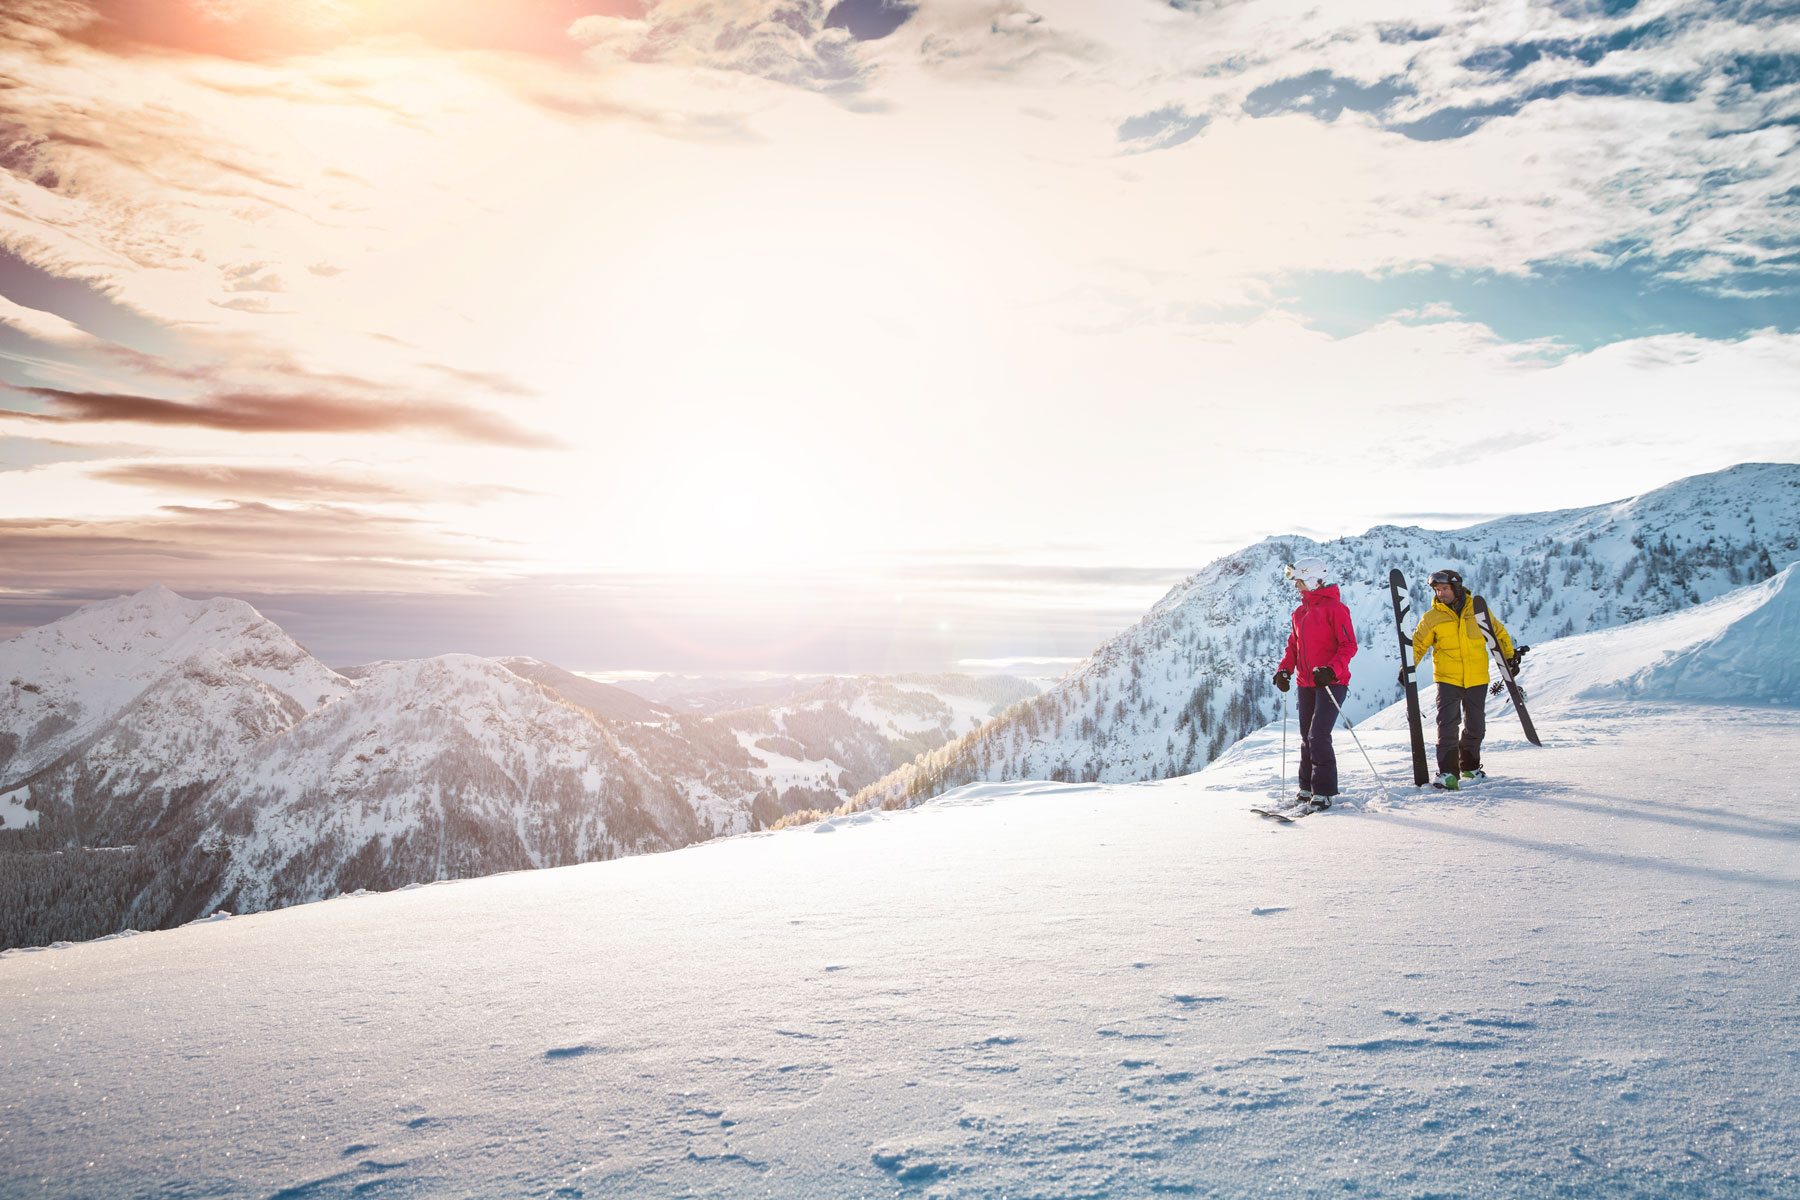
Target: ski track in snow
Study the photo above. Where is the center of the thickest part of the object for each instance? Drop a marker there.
(1577, 978)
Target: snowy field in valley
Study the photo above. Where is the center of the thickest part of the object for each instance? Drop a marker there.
(1581, 978)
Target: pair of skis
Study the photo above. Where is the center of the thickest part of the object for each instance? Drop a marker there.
(1409, 675)
(1287, 816)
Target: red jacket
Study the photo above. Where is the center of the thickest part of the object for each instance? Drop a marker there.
(1322, 637)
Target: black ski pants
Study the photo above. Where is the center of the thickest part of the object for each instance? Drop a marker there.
(1318, 761)
(1467, 707)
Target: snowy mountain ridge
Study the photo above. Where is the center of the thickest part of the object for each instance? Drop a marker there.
(434, 768)
(65, 681)
(1174, 691)
(161, 764)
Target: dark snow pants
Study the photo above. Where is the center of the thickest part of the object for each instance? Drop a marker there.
(1465, 706)
(1318, 761)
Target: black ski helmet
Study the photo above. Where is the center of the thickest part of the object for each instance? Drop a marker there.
(1446, 576)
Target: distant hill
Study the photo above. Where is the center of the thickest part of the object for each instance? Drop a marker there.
(601, 699)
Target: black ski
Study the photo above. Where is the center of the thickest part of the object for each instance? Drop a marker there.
(1288, 816)
(1506, 675)
(1415, 721)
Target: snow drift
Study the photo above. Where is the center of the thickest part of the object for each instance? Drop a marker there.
(1738, 649)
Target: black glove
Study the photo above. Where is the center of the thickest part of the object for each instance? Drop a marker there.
(1281, 679)
(1512, 664)
(1404, 672)
(1323, 676)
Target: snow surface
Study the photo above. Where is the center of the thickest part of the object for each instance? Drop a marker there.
(13, 813)
(781, 771)
(1577, 979)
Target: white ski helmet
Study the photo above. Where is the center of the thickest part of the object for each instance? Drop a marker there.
(1310, 571)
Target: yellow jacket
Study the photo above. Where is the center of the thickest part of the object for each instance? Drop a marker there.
(1459, 652)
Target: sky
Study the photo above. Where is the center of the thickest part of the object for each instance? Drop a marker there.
(860, 336)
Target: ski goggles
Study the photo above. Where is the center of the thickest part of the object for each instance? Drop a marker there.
(1449, 577)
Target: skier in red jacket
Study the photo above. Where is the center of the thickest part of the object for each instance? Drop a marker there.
(1319, 649)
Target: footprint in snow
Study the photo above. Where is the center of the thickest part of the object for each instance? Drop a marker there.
(1268, 911)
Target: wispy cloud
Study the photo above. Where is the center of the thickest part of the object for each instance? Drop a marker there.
(227, 481)
(261, 413)
(239, 546)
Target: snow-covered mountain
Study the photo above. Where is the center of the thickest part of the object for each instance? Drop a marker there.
(168, 756)
(120, 713)
(158, 755)
(1576, 979)
(439, 768)
(1171, 693)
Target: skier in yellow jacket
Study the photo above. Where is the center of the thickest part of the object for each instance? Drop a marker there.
(1460, 667)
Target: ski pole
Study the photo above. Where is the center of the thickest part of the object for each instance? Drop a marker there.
(1284, 743)
(1379, 781)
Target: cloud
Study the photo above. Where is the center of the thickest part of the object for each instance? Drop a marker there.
(1003, 40)
(264, 30)
(238, 546)
(486, 380)
(792, 42)
(263, 413)
(610, 36)
(287, 484)
(44, 326)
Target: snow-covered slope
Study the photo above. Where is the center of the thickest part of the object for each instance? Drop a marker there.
(1577, 980)
(1743, 648)
(1171, 693)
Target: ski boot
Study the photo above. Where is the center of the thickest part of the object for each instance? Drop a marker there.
(1476, 776)
(1449, 781)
